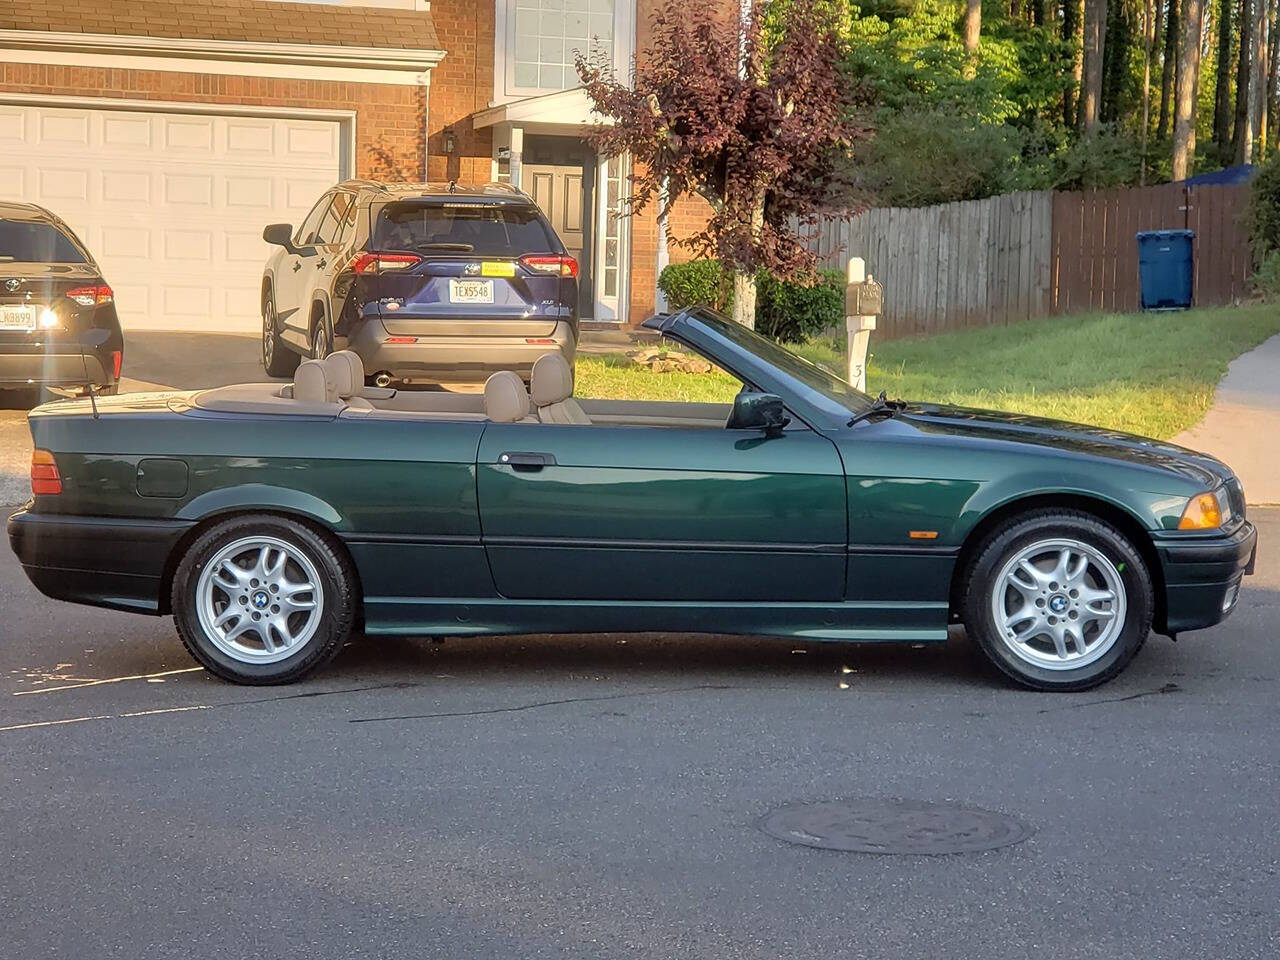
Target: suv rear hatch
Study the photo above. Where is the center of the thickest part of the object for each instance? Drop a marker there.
(469, 268)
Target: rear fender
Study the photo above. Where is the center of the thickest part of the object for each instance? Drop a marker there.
(260, 496)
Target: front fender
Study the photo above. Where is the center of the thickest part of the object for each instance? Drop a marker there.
(260, 496)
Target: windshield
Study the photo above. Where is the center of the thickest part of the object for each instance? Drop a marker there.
(816, 384)
(29, 241)
(483, 229)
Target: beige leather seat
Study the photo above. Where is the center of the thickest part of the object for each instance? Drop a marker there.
(311, 383)
(505, 398)
(553, 391)
(344, 373)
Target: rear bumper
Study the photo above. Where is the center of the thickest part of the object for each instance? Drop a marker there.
(100, 561)
(53, 369)
(456, 359)
(1202, 577)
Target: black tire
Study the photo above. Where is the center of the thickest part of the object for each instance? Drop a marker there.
(1020, 533)
(321, 338)
(334, 617)
(277, 359)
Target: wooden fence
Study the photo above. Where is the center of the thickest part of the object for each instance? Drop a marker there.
(1027, 255)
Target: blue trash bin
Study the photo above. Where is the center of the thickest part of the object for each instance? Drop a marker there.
(1166, 269)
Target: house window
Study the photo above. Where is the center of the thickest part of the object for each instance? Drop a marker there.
(547, 34)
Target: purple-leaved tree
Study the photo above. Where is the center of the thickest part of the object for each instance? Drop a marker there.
(754, 114)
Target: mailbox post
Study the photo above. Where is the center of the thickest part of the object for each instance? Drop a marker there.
(863, 301)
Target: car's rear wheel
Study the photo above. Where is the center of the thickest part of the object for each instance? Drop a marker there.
(277, 359)
(261, 599)
(321, 339)
(1058, 600)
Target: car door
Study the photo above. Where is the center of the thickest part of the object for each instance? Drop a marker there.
(662, 513)
(295, 273)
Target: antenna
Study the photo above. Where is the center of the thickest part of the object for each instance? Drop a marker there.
(88, 384)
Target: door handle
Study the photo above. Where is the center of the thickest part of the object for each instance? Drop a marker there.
(527, 462)
(297, 265)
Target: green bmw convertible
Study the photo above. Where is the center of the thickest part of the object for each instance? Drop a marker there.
(271, 520)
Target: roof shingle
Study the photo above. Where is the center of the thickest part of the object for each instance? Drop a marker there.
(256, 21)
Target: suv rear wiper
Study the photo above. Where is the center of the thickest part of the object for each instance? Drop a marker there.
(881, 405)
(443, 245)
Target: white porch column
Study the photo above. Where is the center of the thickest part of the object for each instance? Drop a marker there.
(517, 153)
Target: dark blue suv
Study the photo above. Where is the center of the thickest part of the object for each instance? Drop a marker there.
(427, 283)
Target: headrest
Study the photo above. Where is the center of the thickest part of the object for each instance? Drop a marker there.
(505, 398)
(310, 383)
(346, 374)
(552, 379)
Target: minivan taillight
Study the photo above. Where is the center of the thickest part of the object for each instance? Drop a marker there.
(375, 262)
(551, 263)
(45, 480)
(88, 296)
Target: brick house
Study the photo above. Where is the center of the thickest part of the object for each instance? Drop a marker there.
(169, 132)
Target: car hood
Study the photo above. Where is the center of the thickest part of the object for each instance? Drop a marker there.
(1068, 437)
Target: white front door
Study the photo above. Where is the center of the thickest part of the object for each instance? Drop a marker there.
(171, 204)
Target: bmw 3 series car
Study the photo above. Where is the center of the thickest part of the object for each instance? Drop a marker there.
(58, 323)
(424, 282)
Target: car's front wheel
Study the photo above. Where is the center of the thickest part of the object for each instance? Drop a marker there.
(1058, 600)
(262, 599)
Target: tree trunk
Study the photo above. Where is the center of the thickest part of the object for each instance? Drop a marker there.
(1148, 38)
(1071, 34)
(1167, 73)
(972, 34)
(1095, 38)
(1242, 136)
(1184, 117)
(1222, 85)
(1037, 12)
(1273, 96)
(744, 298)
(1257, 84)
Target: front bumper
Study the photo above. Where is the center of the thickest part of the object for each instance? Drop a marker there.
(100, 561)
(456, 359)
(1202, 577)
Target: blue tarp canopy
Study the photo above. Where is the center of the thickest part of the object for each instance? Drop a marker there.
(1241, 173)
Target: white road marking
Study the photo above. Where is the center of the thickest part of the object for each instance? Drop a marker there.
(94, 683)
(103, 716)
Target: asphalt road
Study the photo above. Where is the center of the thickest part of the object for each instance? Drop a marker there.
(598, 797)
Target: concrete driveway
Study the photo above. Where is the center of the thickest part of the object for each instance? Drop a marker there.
(598, 798)
(153, 361)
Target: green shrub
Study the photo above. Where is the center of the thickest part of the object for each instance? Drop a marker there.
(1264, 210)
(792, 311)
(1266, 281)
(698, 281)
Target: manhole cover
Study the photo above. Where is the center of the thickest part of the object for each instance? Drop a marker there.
(893, 826)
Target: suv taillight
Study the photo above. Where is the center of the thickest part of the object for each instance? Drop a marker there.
(375, 262)
(45, 480)
(551, 263)
(88, 296)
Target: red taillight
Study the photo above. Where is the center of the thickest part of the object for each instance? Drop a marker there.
(45, 480)
(89, 296)
(551, 263)
(117, 361)
(375, 262)
(538, 340)
(401, 340)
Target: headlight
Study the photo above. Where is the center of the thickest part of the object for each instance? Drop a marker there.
(1206, 511)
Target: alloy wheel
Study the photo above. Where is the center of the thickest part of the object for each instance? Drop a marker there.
(259, 600)
(268, 333)
(1059, 604)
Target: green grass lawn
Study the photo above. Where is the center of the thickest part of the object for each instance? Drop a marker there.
(1152, 374)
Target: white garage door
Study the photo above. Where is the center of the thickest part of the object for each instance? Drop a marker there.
(172, 205)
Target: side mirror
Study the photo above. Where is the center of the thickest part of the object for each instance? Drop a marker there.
(280, 235)
(758, 411)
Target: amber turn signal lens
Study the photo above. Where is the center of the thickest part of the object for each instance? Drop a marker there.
(45, 480)
(1202, 513)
